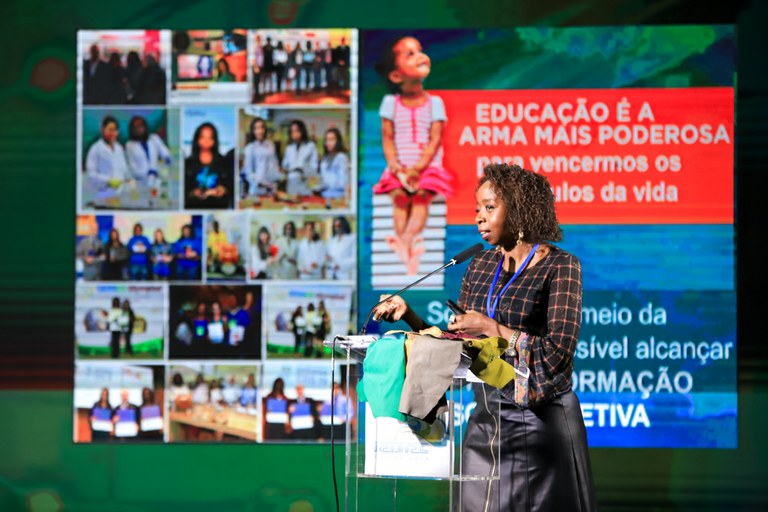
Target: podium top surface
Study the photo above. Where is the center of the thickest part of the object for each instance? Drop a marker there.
(355, 347)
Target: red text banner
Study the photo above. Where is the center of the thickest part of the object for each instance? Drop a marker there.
(612, 156)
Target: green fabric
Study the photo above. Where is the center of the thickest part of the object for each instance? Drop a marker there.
(383, 377)
(488, 366)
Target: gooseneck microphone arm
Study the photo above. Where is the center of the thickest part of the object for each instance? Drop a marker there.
(459, 258)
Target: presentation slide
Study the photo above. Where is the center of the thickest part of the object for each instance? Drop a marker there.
(216, 229)
(249, 180)
(633, 127)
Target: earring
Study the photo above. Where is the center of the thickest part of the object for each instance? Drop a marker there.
(520, 237)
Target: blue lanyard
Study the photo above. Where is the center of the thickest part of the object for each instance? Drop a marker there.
(491, 307)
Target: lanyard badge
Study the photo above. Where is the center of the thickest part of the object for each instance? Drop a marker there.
(490, 304)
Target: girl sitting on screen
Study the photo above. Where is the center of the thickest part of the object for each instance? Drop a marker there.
(412, 129)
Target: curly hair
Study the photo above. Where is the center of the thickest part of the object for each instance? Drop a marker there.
(528, 200)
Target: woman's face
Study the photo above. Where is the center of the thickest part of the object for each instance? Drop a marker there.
(491, 216)
(330, 141)
(104, 395)
(114, 235)
(263, 237)
(222, 67)
(158, 236)
(295, 133)
(259, 131)
(139, 128)
(201, 309)
(410, 60)
(205, 140)
(215, 308)
(110, 132)
(337, 228)
(289, 230)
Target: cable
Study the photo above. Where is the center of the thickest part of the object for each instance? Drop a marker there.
(493, 455)
(333, 425)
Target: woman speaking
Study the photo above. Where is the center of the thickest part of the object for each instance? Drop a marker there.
(527, 291)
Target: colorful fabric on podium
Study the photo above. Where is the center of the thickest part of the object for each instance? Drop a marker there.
(383, 376)
(489, 366)
(428, 374)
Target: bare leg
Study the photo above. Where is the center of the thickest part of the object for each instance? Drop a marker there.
(401, 203)
(414, 228)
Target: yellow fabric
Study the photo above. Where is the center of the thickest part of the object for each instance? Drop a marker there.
(488, 365)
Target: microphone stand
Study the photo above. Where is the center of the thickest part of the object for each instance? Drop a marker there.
(439, 269)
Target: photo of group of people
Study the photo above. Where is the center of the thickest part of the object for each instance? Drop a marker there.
(298, 318)
(307, 247)
(120, 321)
(210, 402)
(297, 158)
(300, 403)
(195, 402)
(123, 403)
(121, 67)
(128, 159)
(215, 228)
(311, 66)
(215, 322)
(139, 247)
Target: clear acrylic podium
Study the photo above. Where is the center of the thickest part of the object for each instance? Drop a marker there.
(394, 465)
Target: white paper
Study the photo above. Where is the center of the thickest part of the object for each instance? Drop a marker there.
(301, 422)
(126, 429)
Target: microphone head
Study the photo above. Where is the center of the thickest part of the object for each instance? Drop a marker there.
(468, 253)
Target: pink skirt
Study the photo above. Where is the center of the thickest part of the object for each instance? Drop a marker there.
(434, 179)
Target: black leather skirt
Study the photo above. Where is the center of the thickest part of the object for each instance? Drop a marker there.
(543, 461)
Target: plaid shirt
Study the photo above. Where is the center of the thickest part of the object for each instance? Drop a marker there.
(544, 303)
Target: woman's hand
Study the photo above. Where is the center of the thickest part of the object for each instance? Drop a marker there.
(392, 310)
(472, 322)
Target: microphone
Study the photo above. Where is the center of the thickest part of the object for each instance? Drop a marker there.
(465, 255)
(459, 258)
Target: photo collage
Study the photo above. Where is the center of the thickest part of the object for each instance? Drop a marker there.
(216, 244)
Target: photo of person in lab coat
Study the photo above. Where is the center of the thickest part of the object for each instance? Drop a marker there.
(106, 169)
(311, 254)
(341, 252)
(145, 151)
